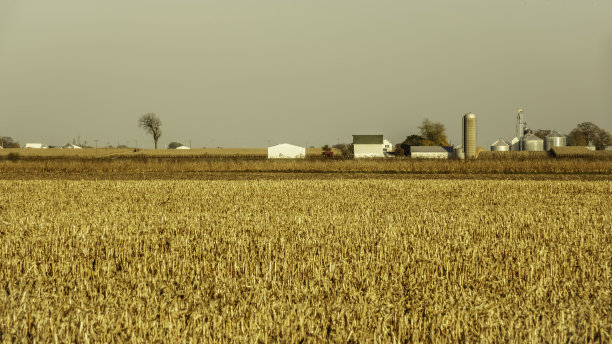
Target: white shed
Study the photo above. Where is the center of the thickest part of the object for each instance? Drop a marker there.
(515, 144)
(368, 146)
(431, 152)
(458, 152)
(35, 145)
(182, 147)
(286, 151)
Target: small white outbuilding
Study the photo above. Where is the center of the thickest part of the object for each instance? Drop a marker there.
(431, 152)
(35, 145)
(182, 147)
(515, 144)
(286, 151)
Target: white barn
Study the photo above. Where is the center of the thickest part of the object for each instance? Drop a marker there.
(431, 152)
(286, 151)
(368, 146)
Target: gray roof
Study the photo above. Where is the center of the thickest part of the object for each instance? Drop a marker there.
(554, 133)
(531, 137)
(500, 143)
(431, 149)
(367, 139)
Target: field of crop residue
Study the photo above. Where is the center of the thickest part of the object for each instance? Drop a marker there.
(317, 260)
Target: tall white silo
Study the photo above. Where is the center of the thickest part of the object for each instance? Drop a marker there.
(469, 135)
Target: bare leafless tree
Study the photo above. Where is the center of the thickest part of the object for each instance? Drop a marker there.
(152, 124)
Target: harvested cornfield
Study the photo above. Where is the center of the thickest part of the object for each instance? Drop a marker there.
(104, 168)
(316, 260)
(513, 155)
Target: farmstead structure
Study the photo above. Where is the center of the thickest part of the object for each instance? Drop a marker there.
(368, 146)
(286, 151)
(36, 145)
(431, 152)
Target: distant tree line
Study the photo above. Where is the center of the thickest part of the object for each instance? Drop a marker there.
(8, 142)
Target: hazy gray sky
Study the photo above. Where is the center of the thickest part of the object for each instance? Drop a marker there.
(238, 73)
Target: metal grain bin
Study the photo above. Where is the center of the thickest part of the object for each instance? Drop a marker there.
(500, 146)
(469, 135)
(554, 139)
(532, 143)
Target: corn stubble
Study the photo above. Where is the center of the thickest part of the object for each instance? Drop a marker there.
(335, 260)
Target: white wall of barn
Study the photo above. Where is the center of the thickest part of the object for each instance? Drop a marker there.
(368, 151)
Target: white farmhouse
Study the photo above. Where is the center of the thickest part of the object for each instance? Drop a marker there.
(286, 151)
(431, 152)
(368, 146)
(182, 147)
(387, 146)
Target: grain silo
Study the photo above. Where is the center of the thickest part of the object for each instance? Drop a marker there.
(554, 139)
(500, 146)
(469, 135)
(532, 143)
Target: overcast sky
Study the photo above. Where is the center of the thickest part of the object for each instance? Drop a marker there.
(237, 73)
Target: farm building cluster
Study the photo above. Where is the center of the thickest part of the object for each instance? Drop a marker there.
(377, 146)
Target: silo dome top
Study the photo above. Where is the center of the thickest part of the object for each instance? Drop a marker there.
(500, 143)
(554, 133)
(470, 115)
(531, 137)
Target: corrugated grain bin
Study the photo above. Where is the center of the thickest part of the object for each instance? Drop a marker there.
(554, 139)
(532, 143)
(500, 146)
